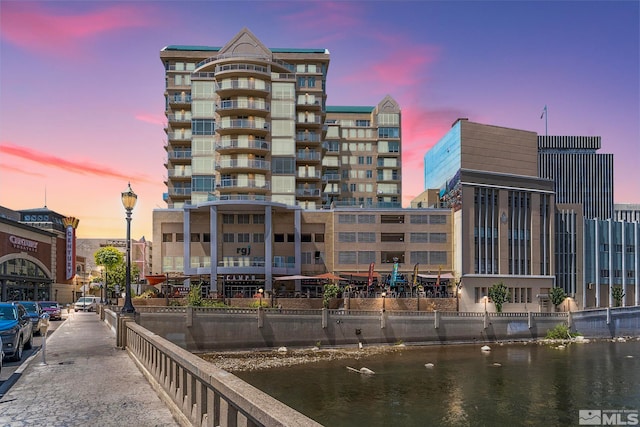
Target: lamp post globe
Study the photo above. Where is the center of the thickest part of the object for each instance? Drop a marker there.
(129, 199)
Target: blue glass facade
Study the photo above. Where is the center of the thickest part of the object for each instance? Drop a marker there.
(443, 160)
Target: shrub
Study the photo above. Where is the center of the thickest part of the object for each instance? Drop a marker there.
(560, 332)
(499, 294)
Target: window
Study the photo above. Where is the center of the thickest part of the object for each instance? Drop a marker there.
(291, 238)
(363, 123)
(347, 257)
(202, 127)
(179, 237)
(283, 165)
(392, 237)
(305, 237)
(258, 218)
(278, 237)
(346, 219)
(366, 257)
(203, 183)
(306, 258)
(437, 219)
(319, 237)
(227, 219)
(206, 237)
(366, 237)
(419, 219)
(419, 238)
(438, 257)
(243, 218)
(243, 238)
(228, 237)
(195, 237)
(346, 237)
(394, 147)
(419, 257)
(167, 237)
(258, 237)
(438, 237)
(388, 132)
(366, 219)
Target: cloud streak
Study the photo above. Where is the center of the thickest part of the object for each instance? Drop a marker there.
(33, 27)
(73, 166)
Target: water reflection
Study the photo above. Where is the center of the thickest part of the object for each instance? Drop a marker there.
(534, 385)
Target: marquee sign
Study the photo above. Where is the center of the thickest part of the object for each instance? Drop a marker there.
(70, 225)
(23, 244)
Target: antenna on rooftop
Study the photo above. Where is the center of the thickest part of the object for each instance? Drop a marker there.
(45, 196)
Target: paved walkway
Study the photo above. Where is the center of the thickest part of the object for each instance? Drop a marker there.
(87, 381)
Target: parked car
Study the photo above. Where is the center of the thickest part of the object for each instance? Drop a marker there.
(35, 314)
(86, 303)
(52, 308)
(16, 330)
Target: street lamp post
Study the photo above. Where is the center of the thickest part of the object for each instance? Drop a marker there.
(129, 199)
(260, 291)
(384, 297)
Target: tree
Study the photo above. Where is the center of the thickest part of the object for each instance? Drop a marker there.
(109, 257)
(557, 296)
(330, 291)
(618, 294)
(499, 294)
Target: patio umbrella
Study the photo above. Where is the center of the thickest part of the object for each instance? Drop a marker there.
(328, 276)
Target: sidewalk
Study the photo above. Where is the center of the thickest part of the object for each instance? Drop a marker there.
(86, 381)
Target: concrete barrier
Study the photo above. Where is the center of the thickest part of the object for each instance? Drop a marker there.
(607, 322)
(204, 394)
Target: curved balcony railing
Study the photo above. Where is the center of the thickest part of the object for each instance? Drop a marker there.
(244, 105)
(179, 174)
(308, 192)
(179, 191)
(243, 163)
(179, 99)
(258, 56)
(243, 124)
(242, 183)
(172, 155)
(178, 118)
(251, 68)
(255, 144)
(309, 174)
(308, 156)
(239, 197)
(317, 120)
(308, 137)
(237, 84)
(330, 177)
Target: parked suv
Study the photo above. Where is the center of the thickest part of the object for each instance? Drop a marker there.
(35, 314)
(16, 330)
(86, 303)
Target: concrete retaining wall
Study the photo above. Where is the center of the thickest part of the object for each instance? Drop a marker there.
(204, 329)
(607, 322)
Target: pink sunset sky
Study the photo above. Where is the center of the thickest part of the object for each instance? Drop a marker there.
(81, 84)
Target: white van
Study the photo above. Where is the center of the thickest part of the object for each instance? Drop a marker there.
(86, 303)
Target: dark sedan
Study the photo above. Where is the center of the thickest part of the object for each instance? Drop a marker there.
(52, 308)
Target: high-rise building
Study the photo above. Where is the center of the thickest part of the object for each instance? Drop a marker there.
(579, 173)
(611, 263)
(503, 212)
(626, 212)
(247, 122)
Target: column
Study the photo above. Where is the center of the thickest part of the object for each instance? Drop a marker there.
(268, 249)
(213, 247)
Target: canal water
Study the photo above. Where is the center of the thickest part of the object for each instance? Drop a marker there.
(512, 385)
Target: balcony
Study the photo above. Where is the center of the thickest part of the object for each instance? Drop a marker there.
(178, 119)
(244, 106)
(308, 192)
(310, 156)
(308, 137)
(230, 126)
(226, 87)
(241, 69)
(243, 164)
(330, 177)
(181, 100)
(235, 184)
(180, 192)
(179, 157)
(310, 122)
(179, 174)
(243, 145)
(310, 104)
(314, 175)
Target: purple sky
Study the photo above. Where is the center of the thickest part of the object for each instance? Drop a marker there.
(81, 84)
